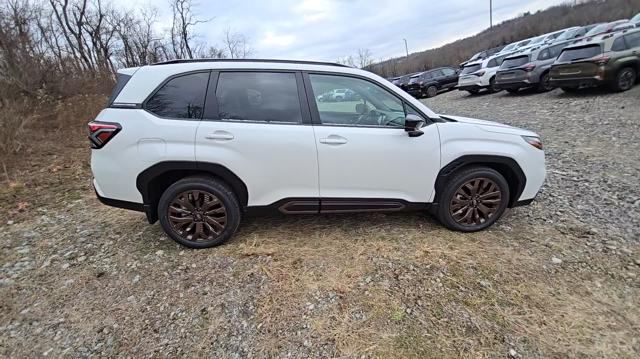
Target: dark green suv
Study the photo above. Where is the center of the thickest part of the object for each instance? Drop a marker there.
(611, 59)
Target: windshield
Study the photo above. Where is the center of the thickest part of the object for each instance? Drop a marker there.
(514, 62)
(470, 69)
(636, 18)
(597, 30)
(537, 40)
(414, 79)
(569, 34)
(509, 47)
(579, 53)
(523, 43)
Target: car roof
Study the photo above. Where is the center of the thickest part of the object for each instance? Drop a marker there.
(603, 39)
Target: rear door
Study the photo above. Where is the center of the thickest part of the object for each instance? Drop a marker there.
(256, 125)
(450, 77)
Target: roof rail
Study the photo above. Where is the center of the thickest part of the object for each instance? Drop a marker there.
(186, 61)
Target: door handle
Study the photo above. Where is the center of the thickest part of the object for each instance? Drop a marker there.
(220, 136)
(333, 140)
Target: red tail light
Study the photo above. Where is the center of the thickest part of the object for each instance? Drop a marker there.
(601, 60)
(102, 132)
(529, 67)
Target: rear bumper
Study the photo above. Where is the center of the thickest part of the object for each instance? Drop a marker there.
(132, 206)
(504, 85)
(577, 82)
(470, 87)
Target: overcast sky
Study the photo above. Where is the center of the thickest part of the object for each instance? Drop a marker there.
(328, 29)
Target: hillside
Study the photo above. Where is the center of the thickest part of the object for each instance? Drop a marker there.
(525, 26)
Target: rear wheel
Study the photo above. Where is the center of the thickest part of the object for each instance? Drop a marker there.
(625, 79)
(473, 92)
(199, 212)
(512, 91)
(492, 85)
(473, 199)
(432, 91)
(545, 83)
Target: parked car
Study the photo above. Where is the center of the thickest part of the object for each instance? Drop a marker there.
(432, 82)
(604, 28)
(576, 32)
(482, 55)
(611, 59)
(635, 20)
(480, 75)
(403, 81)
(197, 144)
(529, 69)
(338, 95)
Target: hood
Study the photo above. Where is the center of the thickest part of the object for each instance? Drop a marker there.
(490, 126)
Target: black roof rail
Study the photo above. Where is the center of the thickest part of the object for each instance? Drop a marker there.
(187, 61)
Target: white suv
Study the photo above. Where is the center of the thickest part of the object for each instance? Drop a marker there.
(480, 75)
(197, 144)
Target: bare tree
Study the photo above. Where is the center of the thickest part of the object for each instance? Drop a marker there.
(364, 58)
(236, 44)
(182, 32)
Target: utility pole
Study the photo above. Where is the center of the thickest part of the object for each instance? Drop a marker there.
(491, 13)
(406, 47)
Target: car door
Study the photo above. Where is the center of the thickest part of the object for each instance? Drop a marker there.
(450, 77)
(366, 159)
(256, 125)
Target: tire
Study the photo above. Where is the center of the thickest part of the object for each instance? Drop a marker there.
(488, 210)
(432, 91)
(492, 86)
(513, 91)
(196, 213)
(473, 92)
(544, 85)
(625, 79)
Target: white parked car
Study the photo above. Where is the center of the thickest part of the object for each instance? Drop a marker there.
(480, 75)
(197, 144)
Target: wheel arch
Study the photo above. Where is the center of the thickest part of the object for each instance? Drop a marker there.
(506, 166)
(153, 181)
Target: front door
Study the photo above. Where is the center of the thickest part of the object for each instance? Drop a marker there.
(364, 154)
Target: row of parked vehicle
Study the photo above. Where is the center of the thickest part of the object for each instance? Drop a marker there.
(573, 58)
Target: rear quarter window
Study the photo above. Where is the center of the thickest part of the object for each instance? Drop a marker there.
(121, 81)
(180, 97)
(579, 53)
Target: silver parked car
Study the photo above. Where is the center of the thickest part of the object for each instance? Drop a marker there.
(529, 69)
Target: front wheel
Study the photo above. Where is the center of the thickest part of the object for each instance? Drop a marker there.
(473, 199)
(199, 212)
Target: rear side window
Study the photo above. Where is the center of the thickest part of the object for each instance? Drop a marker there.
(258, 97)
(619, 45)
(180, 97)
(633, 39)
(514, 62)
(448, 72)
(578, 53)
(121, 81)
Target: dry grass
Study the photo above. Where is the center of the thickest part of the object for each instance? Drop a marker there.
(374, 285)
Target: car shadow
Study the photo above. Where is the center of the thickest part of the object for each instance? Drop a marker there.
(587, 92)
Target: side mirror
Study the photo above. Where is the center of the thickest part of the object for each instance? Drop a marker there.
(412, 125)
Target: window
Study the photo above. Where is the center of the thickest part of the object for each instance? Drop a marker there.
(448, 72)
(579, 53)
(633, 39)
(544, 54)
(619, 45)
(368, 104)
(469, 69)
(554, 51)
(258, 97)
(180, 97)
(514, 62)
(436, 73)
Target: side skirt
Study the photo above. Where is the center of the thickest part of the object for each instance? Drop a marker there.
(336, 205)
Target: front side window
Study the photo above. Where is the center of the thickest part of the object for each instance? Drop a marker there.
(258, 97)
(369, 104)
(180, 97)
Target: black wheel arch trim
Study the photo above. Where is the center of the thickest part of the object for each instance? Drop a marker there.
(144, 181)
(496, 162)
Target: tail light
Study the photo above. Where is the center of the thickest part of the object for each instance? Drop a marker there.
(529, 67)
(102, 132)
(601, 60)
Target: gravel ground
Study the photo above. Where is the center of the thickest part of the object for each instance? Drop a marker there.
(558, 278)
